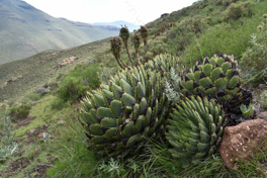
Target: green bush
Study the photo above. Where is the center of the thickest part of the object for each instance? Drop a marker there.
(71, 88)
(233, 12)
(226, 3)
(78, 82)
(237, 10)
(19, 111)
(184, 33)
(254, 60)
(58, 104)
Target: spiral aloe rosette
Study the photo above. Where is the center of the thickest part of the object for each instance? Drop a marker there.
(163, 63)
(195, 129)
(120, 117)
(217, 78)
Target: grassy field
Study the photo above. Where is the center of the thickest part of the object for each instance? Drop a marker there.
(51, 141)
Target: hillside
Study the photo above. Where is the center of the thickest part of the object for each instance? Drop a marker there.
(22, 77)
(131, 109)
(25, 31)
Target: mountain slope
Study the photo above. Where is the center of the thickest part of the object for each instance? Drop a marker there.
(25, 30)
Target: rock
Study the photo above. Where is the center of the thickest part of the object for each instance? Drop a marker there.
(61, 122)
(263, 115)
(42, 90)
(164, 15)
(240, 142)
(32, 131)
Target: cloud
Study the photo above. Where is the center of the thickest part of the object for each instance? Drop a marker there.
(134, 11)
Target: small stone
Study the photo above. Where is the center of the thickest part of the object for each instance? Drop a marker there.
(61, 122)
(32, 131)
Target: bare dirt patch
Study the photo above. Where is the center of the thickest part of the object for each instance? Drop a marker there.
(36, 133)
(41, 168)
(25, 122)
(15, 166)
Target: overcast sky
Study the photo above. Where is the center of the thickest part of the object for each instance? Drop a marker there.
(138, 12)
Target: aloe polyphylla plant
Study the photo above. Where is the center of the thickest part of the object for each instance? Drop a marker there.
(163, 63)
(122, 116)
(195, 130)
(218, 78)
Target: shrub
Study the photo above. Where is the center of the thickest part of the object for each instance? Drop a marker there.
(226, 3)
(233, 12)
(184, 33)
(80, 80)
(20, 111)
(254, 60)
(237, 10)
(58, 104)
(71, 88)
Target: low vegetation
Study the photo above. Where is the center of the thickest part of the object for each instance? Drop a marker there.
(122, 118)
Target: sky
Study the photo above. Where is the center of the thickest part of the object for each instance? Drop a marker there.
(138, 12)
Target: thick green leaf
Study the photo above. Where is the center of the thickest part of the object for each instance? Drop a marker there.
(132, 140)
(104, 112)
(96, 129)
(116, 108)
(126, 87)
(108, 122)
(128, 100)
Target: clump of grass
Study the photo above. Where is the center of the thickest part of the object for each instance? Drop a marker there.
(20, 111)
(73, 158)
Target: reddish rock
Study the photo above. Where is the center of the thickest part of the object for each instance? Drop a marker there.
(240, 142)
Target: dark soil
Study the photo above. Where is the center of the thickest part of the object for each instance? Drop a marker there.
(36, 134)
(25, 122)
(15, 166)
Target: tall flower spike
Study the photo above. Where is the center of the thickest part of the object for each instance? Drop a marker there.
(136, 40)
(125, 34)
(144, 34)
(116, 50)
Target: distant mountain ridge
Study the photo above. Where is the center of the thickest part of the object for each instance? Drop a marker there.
(130, 26)
(25, 31)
